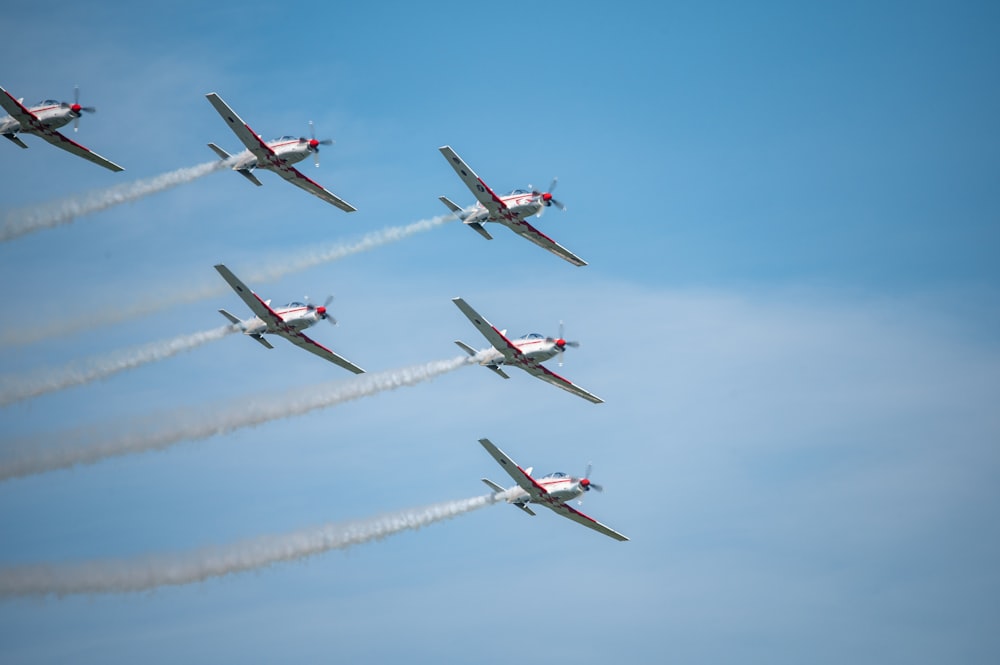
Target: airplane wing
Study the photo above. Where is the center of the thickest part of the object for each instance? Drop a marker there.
(585, 520)
(538, 371)
(31, 125)
(304, 342)
(242, 130)
(529, 232)
(520, 476)
(253, 301)
(297, 178)
(492, 335)
(479, 189)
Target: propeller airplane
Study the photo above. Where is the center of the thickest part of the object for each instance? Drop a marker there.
(527, 352)
(288, 321)
(511, 210)
(277, 155)
(553, 491)
(43, 119)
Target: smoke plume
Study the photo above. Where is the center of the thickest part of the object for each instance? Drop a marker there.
(28, 220)
(141, 574)
(168, 429)
(17, 388)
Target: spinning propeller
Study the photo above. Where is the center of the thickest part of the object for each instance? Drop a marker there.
(314, 144)
(321, 309)
(561, 343)
(547, 198)
(76, 108)
(587, 485)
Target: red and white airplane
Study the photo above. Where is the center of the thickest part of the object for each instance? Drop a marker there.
(277, 155)
(511, 210)
(527, 352)
(553, 491)
(43, 119)
(288, 321)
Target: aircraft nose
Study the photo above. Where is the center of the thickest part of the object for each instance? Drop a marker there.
(321, 311)
(547, 196)
(561, 343)
(584, 482)
(313, 143)
(75, 108)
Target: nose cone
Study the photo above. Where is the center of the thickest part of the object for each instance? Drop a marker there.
(75, 108)
(321, 311)
(584, 483)
(547, 196)
(313, 144)
(561, 343)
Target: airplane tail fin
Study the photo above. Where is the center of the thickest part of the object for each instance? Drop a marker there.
(246, 173)
(462, 215)
(472, 352)
(497, 488)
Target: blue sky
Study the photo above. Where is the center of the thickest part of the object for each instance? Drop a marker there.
(790, 309)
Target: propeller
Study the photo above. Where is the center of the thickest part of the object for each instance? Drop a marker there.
(586, 483)
(314, 144)
(321, 310)
(561, 343)
(77, 109)
(547, 198)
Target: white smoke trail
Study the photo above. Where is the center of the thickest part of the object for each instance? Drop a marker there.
(142, 574)
(28, 220)
(173, 428)
(279, 267)
(17, 388)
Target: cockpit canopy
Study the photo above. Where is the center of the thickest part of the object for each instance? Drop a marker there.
(532, 336)
(284, 139)
(49, 102)
(519, 191)
(296, 304)
(556, 474)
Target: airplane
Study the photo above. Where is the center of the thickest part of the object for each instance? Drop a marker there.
(277, 155)
(553, 491)
(43, 119)
(288, 321)
(511, 210)
(527, 352)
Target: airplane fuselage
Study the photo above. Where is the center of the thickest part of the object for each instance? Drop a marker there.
(294, 318)
(520, 205)
(560, 488)
(288, 149)
(534, 346)
(51, 114)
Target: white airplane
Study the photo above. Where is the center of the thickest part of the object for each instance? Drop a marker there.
(511, 210)
(286, 321)
(277, 155)
(527, 352)
(43, 119)
(553, 491)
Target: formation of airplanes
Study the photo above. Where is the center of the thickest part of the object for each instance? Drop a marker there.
(553, 491)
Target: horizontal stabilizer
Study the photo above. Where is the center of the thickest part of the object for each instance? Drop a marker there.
(219, 151)
(451, 206)
(478, 228)
(465, 347)
(260, 338)
(248, 174)
(14, 139)
(232, 319)
(492, 485)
